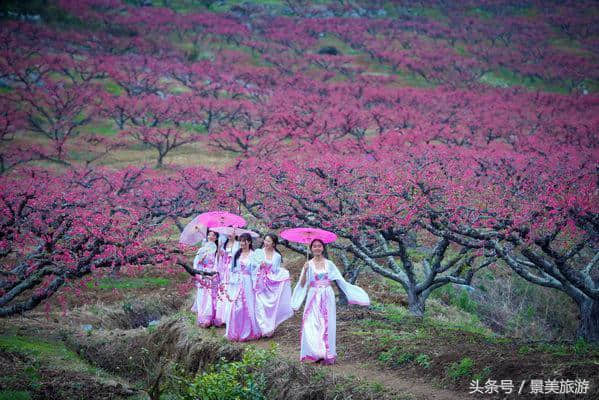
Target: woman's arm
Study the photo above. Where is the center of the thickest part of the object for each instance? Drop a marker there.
(192, 271)
(300, 290)
(303, 275)
(198, 260)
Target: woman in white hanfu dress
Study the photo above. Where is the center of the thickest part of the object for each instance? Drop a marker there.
(272, 287)
(228, 249)
(319, 321)
(207, 286)
(241, 315)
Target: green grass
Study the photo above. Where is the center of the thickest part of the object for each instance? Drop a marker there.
(130, 283)
(44, 354)
(394, 313)
(386, 332)
(331, 40)
(473, 325)
(430, 12)
(50, 13)
(524, 10)
(580, 348)
(103, 128)
(482, 375)
(394, 356)
(54, 353)
(423, 360)
(458, 298)
(506, 78)
(570, 46)
(460, 48)
(227, 5)
(29, 374)
(373, 324)
(14, 395)
(479, 12)
(460, 369)
(404, 77)
(36, 347)
(113, 88)
(196, 128)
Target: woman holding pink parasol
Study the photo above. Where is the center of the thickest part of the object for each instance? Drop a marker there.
(319, 322)
(227, 251)
(207, 286)
(209, 304)
(241, 317)
(272, 287)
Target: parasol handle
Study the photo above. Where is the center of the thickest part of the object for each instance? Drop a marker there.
(307, 250)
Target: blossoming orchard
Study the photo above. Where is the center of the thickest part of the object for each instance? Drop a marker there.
(443, 143)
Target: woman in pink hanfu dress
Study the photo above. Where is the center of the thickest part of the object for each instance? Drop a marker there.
(319, 320)
(207, 286)
(241, 317)
(226, 253)
(272, 287)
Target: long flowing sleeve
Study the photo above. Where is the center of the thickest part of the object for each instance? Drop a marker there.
(277, 272)
(276, 263)
(234, 278)
(221, 241)
(233, 272)
(220, 246)
(299, 292)
(196, 260)
(254, 260)
(355, 294)
(200, 254)
(257, 257)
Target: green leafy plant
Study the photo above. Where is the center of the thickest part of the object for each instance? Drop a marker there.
(482, 375)
(423, 360)
(231, 380)
(581, 347)
(393, 356)
(462, 368)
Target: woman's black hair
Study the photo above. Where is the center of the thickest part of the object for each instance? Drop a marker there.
(275, 241)
(325, 254)
(243, 236)
(226, 242)
(216, 233)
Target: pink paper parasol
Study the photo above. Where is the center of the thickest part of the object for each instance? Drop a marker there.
(306, 235)
(228, 230)
(220, 218)
(193, 233)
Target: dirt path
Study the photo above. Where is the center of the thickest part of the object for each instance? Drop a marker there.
(287, 339)
(412, 388)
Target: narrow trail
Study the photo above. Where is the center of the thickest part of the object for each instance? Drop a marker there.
(416, 388)
(348, 366)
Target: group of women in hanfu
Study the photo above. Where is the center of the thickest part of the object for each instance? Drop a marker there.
(249, 292)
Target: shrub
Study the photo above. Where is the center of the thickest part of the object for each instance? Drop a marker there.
(423, 360)
(463, 368)
(231, 380)
(395, 357)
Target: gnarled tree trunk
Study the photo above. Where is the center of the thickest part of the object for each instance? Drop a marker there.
(588, 327)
